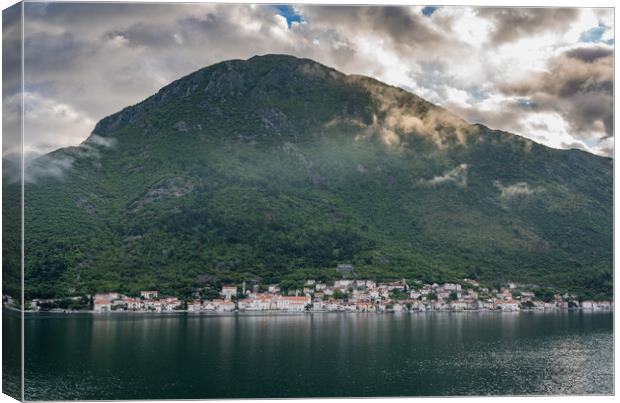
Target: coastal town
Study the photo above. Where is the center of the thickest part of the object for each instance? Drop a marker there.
(344, 295)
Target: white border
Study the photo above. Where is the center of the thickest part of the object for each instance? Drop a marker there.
(496, 3)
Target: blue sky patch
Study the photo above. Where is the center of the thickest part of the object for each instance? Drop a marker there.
(429, 10)
(593, 35)
(289, 13)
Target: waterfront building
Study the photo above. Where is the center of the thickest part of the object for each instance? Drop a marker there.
(297, 304)
(229, 291)
(149, 294)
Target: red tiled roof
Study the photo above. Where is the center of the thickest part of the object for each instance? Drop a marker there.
(293, 299)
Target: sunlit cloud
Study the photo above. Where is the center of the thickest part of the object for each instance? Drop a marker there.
(509, 69)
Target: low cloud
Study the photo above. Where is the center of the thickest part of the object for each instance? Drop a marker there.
(47, 167)
(402, 116)
(457, 176)
(56, 164)
(517, 191)
(96, 140)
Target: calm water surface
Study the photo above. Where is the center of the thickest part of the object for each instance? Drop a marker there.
(173, 356)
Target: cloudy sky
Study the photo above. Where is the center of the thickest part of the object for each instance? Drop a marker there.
(546, 74)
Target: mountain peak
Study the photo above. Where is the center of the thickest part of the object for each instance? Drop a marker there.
(267, 166)
(304, 91)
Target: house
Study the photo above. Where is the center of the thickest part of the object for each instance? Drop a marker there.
(171, 304)
(370, 284)
(318, 305)
(226, 306)
(602, 306)
(112, 296)
(471, 282)
(209, 306)
(261, 302)
(458, 306)
(345, 269)
(364, 307)
(320, 286)
(350, 307)
(452, 287)
(361, 295)
(245, 304)
(308, 291)
(274, 289)
(587, 305)
(397, 285)
(149, 294)
(220, 305)
(443, 295)
(133, 304)
(194, 306)
(229, 291)
(310, 283)
(102, 304)
(295, 304)
(508, 305)
(439, 306)
(342, 284)
(332, 306)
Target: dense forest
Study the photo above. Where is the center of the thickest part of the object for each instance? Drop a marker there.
(278, 169)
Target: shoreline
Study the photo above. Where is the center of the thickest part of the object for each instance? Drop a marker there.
(294, 313)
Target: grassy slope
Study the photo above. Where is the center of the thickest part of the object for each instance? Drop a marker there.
(261, 181)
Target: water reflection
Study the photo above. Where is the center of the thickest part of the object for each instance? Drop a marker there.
(138, 356)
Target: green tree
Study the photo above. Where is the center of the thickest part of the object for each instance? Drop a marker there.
(338, 294)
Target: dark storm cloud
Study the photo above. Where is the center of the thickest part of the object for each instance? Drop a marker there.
(578, 86)
(511, 24)
(590, 54)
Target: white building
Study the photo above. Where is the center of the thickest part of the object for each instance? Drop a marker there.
(587, 305)
(342, 284)
(195, 306)
(102, 304)
(295, 304)
(149, 294)
(229, 291)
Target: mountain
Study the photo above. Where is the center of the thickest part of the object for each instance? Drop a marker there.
(278, 169)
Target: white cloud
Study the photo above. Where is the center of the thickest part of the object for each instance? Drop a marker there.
(457, 176)
(516, 191)
(90, 60)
